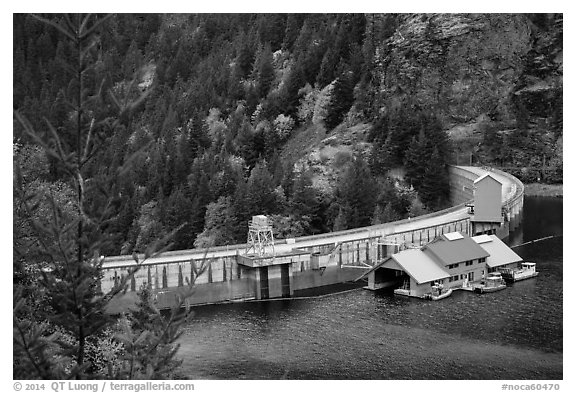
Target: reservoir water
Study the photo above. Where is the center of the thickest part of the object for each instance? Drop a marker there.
(358, 334)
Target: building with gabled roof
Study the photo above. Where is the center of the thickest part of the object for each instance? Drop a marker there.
(487, 200)
(415, 271)
(453, 248)
(453, 260)
(500, 255)
(417, 265)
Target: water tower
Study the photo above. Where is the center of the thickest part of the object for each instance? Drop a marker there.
(260, 236)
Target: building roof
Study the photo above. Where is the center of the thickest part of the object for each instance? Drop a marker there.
(482, 239)
(417, 264)
(453, 236)
(486, 175)
(500, 253)
(391, 264)
(426, 264)
(458, 250)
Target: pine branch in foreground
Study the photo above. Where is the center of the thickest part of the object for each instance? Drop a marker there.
(61, 327)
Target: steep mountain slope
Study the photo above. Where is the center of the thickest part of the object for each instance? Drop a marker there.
(475, 72)
(240, 105)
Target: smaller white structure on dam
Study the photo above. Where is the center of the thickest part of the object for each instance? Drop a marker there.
(260, 236)
(270, 274)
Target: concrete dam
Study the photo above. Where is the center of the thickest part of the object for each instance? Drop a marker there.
(239, 272)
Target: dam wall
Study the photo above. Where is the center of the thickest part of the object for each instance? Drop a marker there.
(309, 261)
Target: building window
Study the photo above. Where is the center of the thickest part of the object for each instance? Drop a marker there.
(453, 266)
(482, 260)
(469, 263)
(455, 278)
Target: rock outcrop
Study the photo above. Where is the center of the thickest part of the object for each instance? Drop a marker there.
(459, 66)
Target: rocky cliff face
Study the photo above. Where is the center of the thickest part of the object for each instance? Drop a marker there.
(459, 66)
(326, 158)
(473, 71)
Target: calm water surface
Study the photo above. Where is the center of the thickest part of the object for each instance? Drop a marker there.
(511, 334)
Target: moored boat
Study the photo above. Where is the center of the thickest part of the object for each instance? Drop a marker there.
(527, 270)
(402, 291)
(494, 282)
(438, 292)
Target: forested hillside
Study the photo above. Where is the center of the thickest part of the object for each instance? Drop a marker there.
(296, 116)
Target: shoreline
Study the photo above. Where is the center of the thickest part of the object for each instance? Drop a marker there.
(544, 190)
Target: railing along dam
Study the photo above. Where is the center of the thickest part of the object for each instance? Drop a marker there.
(309, 261)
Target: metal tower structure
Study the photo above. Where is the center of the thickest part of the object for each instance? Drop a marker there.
(260, 236)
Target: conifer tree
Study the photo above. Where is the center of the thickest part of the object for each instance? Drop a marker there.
(327, 68)
(305, 202)
(200, 193)
(415, 162)
(260, 191)
(434, 190)
(293, 26)
(356, 191)
(221, 224)
(290, 93)
(150, 228)
(245, 57)
(264, 71)
(59, 343)
(384, 215)
(230, 173)
(341, 220)
(381, 156)
(341, 100)
(72, 285)
(304, 195)
(247, 144)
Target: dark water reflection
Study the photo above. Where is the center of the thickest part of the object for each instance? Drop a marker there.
(512, 334)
